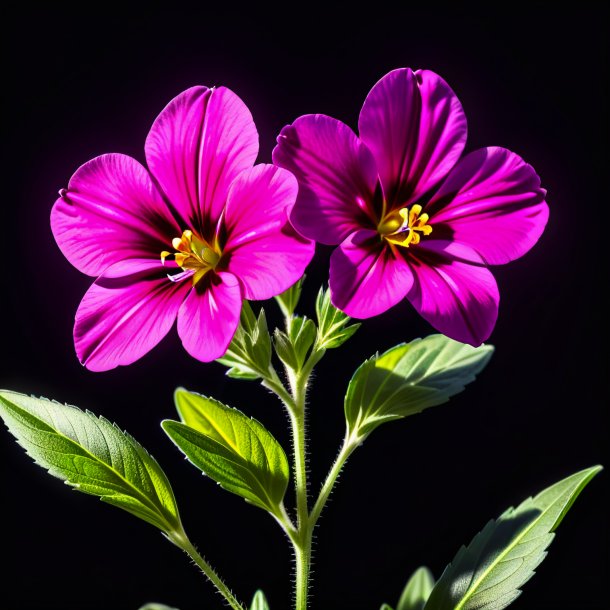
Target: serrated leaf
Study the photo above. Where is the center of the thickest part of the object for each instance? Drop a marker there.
(259, 601)
(289, 299)
(488, 574)
(292, 348)
(249, 354)
(93, 455)
(409, 378)
(332, 323)
(417, 590)
(231, 448)
(154, 606)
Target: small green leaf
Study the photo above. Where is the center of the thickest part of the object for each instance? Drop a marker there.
(489, 573)
(283, 348)
(417, 591)
(289, 299)
(292, 348)
(154, 606)
(302, 335)
(385, 607)
(259, 601)
(232, 449)
(249, 354)
(332, 323)
(409, 378)
(92, 455)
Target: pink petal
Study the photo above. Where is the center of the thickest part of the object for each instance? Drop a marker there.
(196, 147)
(125, 313)
(492, 201)
(336, 173)
(366, 276)
(209, 316)
(263, 249)
(415, 126)
(458, 298)
(111, 211)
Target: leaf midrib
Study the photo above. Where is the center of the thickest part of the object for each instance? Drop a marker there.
(92, 456)
(472, 589)
(242, 464)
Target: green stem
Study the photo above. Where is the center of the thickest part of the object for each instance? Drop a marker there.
(181, 540)
(294, 401)
(302, 544)
(272, 382)
(349, 444)
(297, 419)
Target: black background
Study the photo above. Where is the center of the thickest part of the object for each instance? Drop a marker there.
(530, 79)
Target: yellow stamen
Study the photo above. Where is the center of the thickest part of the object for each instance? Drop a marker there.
(193, 253)
(404, 227)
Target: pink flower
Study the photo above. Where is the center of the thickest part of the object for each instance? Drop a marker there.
(411, 218)
(202, 213)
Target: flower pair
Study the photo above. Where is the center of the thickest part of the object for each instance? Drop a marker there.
(203, 228)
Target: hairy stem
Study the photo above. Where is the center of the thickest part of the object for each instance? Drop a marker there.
(294, 401)
(349, 444)
(303, 543)
(273, 382)
(181, 540)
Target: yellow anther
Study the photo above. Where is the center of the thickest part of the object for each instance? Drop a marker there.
(405, 227)
(193, 253)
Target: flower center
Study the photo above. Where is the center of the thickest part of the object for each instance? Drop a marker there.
(405, 226)
(194, 255)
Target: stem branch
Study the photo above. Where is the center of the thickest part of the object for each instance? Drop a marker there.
(349, 444)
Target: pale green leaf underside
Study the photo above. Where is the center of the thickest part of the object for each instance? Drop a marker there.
(154, 606)
(231, 448)
(92, 455)
(259, 601)
(417, 590)
(409, 378)
(292, 347)
(332, 323)
(489, 573)
(249, 354)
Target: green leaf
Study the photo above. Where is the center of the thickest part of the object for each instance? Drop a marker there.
(154, 606)
(409, 378)
(231, 448)
(249, 354)
(92, 455)
(489, 573)
(289, 299)
(385, 607)
(332, 323)
(417, 591)
(259, 601)
(292, 348)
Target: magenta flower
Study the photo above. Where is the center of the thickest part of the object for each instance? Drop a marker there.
(411, 218)
(190, 238)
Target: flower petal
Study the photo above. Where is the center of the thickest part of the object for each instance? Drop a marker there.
(458, 298)
(209, 316)
(366, 276)
(415, 126)
(111, 211)
(196, 147)
(492, 201)
(263, 249)
(337, 177)
(125, 313)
